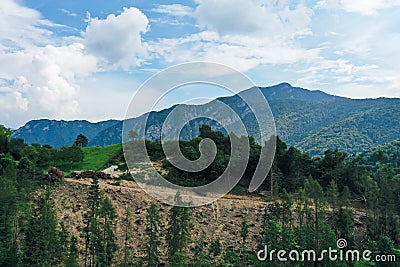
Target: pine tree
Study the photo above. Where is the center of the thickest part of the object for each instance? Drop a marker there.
(127, 229)
(332, 195)
(314, 191)
(106, 245)
(9, 206)
(91, 231)
(178, 234)
(152, 235)
(42, 236)
(73, 253)
(25, 173)
(98, 232)
(244, 230)
(215, 248)
(200, 257)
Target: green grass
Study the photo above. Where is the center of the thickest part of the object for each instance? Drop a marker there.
(97, 157)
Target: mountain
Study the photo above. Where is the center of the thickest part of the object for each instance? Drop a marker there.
(59, 133)
(286, 91)
(308, 119)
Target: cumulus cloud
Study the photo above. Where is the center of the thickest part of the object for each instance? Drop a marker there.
(46, 81)
(41, 73)
(117, 39)
(363, 7)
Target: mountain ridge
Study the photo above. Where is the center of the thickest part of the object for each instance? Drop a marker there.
(311, 120)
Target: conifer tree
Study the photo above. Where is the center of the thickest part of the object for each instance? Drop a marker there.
(152, 235)
(106, 243)
(127, 230)
(98, 232)
(178, 234)
(73, 253)
(42, 237)
(244, 230)
(9, 203)
(91, 230)
(332, 195)
(314, 191)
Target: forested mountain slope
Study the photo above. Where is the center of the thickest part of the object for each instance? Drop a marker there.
(313, 121)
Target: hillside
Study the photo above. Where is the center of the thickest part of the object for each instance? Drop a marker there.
(313, 121)
(384, 153)
(219, 220)
(337, 193)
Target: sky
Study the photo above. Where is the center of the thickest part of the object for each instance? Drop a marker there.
(85, 59)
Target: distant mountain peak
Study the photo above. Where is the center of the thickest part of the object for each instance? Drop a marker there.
(287, 91)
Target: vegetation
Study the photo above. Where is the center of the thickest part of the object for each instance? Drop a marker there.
(309, 120)
(314, 203)
(81, 141)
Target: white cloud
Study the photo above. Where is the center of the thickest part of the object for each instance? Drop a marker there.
(243, 34)
(21, 26)
(242, 53)
(266, 19)
(117, 39)
(176, 10)
(45, 83)
(69, 13)
(42, 73)
(363, 7)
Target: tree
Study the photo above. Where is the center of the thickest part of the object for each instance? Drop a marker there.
(25, 172)
(31, 153)
(91, 230)
(215, 247)
(133, 135)
(42, 237)
(106, 243)
(244, 230)
(332, 195)
(16, 148)
(178, 233)
(9, 229)
(73, 253)
(81, 141)
(152, 235)
(314, 191)
(98, 232)
(200, 257)
(71, 155)
(5, 135)
(127, 225)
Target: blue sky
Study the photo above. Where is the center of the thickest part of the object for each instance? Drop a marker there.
(85, 59)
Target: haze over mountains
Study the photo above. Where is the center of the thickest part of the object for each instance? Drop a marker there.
(313, 121)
